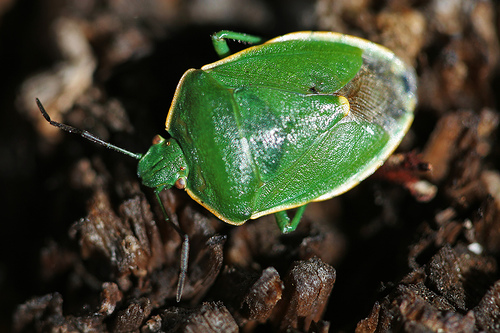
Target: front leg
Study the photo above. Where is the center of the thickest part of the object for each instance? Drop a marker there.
(219, 41)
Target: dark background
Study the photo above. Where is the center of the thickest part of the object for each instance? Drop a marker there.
(141, 49)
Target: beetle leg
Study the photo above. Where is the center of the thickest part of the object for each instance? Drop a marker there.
(219, 40)
(284, 222)
(184, 248)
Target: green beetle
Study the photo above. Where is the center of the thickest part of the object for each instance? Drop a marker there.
(303, 117)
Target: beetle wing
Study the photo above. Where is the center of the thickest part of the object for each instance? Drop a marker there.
(294, 65)
(337, 158)
(279, 125)
(285, 96)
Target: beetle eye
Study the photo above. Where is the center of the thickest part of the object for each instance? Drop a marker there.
(180, 183)
(157, 139)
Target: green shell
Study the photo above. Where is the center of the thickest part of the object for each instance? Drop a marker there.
(300, 118)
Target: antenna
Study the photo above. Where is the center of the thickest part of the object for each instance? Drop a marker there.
(87, 135)
(185, 238)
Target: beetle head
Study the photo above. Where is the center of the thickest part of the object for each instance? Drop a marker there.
(164, 165)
